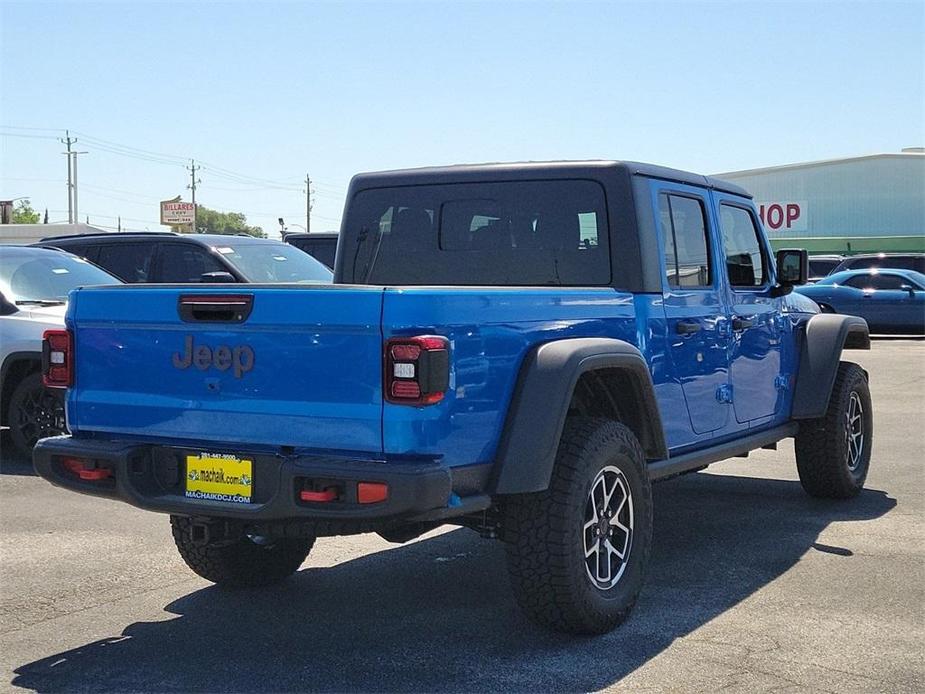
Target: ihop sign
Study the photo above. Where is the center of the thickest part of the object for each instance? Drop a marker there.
(783, 216)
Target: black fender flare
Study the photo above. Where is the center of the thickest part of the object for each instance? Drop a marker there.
(539, 406)
(824, 337)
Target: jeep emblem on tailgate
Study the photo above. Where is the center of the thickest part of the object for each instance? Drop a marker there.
(223, 357)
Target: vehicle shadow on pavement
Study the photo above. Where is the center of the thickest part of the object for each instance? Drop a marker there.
(439, 615)
(11, 463)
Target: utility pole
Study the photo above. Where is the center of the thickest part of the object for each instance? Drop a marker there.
(68, 140)
(74, 191)
(308, 204)
(192, 168)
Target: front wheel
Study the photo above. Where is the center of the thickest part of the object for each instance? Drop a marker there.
(577, 552)
(833, 451)
(242, 560)
(35, 412)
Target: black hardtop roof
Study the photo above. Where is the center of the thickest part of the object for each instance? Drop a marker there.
(476, 173)
(311, 235)
(204, 239)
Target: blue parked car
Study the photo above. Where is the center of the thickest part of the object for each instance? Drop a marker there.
(889, 300)
(520, 349)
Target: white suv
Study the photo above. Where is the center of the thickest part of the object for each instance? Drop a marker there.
(34, 284)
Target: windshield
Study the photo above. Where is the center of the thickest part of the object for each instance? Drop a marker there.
(46, 276)
(274, 262)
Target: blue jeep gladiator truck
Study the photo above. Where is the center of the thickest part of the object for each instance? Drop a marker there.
(517, 349)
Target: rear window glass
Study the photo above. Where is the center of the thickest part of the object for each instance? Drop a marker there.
(513, 233)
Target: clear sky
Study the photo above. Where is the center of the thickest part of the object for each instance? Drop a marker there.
(264, 92)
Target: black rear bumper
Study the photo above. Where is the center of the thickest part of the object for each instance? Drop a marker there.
(153, 478)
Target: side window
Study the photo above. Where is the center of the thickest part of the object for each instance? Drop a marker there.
(687, 250)
(130, 262)
(181, 262)
(80, 249)
(745, 261)
(858, 281)
(875, 282)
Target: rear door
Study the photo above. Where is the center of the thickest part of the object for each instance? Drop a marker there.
(755, 321)
(695, 306)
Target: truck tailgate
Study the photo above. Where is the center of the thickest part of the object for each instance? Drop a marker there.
(302, 368)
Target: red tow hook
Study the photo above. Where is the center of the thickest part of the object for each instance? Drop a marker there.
(81, 468)
(324, 495)
(99, 473)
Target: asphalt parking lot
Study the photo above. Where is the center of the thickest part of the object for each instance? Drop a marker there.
(752, 586)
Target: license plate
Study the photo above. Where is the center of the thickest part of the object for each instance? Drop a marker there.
(219, 477)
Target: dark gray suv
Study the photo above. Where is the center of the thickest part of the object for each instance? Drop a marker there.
(166, 257)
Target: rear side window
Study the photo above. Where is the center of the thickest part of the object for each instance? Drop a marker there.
(322, 250)
(130, 262)
(180, 262)
(687, 250)
(876, 281)
(508, 233)
(745, 261)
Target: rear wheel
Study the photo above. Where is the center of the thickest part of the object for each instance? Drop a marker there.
(239, 560)
(577, 552)
(35, 412)
(833, 451)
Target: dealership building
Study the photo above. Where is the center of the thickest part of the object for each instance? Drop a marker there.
(850, 205)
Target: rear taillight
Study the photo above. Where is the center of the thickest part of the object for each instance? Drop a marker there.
(417, 369)
(57, 359)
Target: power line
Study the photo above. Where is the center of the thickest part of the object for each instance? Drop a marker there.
(169, 159)
(31, 137)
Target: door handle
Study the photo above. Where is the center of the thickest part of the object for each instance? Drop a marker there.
(739, 323)
(686, 327)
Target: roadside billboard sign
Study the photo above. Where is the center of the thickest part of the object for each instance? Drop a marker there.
(176, 213)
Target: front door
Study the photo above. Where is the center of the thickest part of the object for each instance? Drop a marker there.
(695, 306)
(755, 320)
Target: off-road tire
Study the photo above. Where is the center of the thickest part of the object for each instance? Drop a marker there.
(34, 412)
(544, 532)
(822, 444)
(242, 562)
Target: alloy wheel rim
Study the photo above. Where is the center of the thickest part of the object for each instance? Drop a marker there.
(854, 431)
(40, 414)
(607, 533)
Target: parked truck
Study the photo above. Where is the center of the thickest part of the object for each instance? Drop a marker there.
(517, 349)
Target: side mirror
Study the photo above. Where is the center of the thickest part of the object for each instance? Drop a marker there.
(792, 267)
(217, 278)
(7, 307)
(908, 288)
